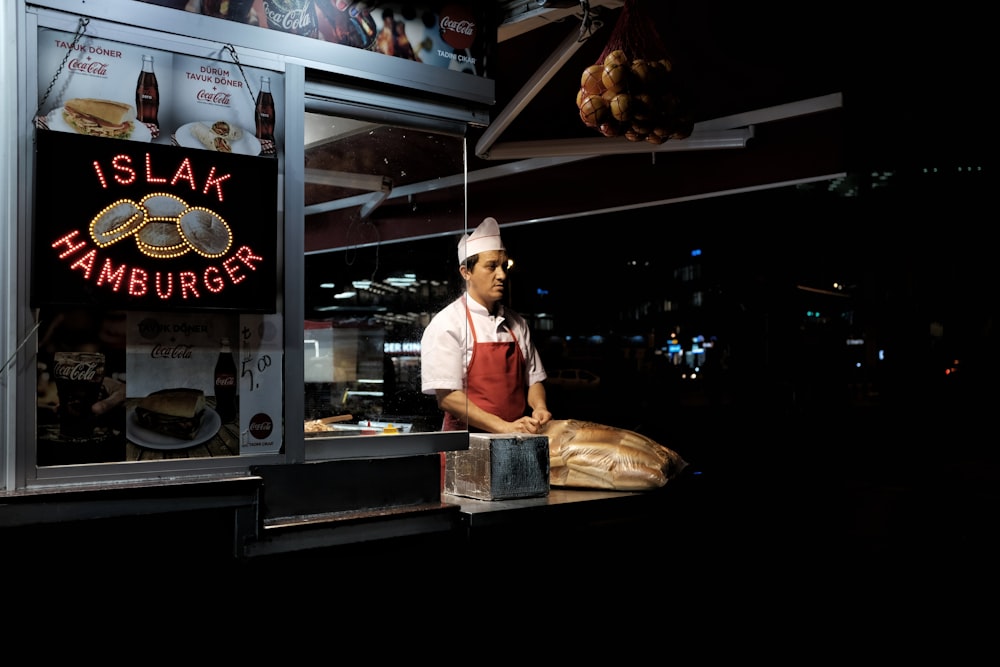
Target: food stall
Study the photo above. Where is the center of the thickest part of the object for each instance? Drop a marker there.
(182, 174)
(157, 338)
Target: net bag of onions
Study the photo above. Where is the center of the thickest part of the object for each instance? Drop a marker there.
(632, 90)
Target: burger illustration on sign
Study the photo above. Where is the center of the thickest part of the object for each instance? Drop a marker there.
(163, 226)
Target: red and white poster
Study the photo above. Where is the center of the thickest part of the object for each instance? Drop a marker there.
(126, 91)
(259, 368)
(457, 35)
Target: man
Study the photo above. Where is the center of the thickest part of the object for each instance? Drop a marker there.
(477, 357)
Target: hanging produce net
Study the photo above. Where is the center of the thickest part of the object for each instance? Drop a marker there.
(632, 89)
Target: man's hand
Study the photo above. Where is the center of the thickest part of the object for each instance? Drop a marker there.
(526, 425)
(116, 396)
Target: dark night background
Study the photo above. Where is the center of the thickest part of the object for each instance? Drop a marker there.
(817, 499)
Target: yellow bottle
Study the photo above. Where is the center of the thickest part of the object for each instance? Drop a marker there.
(390, 430)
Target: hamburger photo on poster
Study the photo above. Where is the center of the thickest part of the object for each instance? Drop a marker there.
(176, 396)
(176, 413)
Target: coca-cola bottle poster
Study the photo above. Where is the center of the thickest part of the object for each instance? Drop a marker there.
(454, 34)
(105, 89)
(142, 386)
(218, 101)
(80, 386)
(126, 91)
(448, 35)
(181, 369)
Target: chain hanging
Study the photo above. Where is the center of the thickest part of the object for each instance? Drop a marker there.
(587, 25)
(236, 59)
(81, 30)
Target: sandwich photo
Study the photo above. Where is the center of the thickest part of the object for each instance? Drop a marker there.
(100, 118)
(227, 131)
(176, 412)
(211, 139)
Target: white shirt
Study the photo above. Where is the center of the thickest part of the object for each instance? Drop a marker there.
(442, 364)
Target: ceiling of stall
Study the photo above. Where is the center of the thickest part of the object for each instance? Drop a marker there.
(816, 90)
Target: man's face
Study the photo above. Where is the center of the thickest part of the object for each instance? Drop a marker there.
(486, 281)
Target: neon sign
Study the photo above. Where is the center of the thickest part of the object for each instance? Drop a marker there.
(149, 226)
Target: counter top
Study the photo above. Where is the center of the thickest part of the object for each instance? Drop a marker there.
(561, 504)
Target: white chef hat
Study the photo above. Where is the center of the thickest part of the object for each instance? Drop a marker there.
(484, 237)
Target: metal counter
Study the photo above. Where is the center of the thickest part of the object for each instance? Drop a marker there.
(576, 506)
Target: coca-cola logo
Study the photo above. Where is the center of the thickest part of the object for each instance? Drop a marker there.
(225, 380)
(289, 18)
(93, 67)
(458, 26)
(261, 426)
(171, 351)
(81, 372)
(218, 97)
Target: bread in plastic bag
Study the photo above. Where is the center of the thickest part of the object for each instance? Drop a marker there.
(590, 455)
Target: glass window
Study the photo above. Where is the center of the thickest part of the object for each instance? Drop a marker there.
(373, 276)
(92, 311)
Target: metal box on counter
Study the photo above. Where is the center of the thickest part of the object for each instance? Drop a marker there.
(499, 467)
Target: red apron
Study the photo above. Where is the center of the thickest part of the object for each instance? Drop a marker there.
(495, 379)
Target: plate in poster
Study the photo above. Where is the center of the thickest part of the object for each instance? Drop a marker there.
(55, 121)
(247, 144)
(140, 435)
